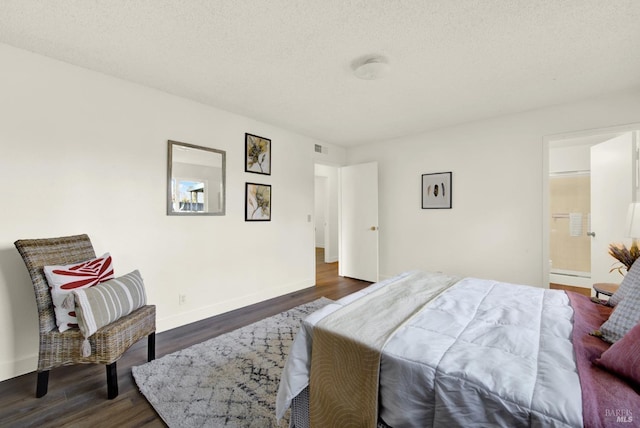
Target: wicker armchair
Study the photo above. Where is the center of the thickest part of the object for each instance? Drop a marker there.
(61, 349)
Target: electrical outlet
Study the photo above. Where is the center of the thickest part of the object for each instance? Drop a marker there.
(182, 299)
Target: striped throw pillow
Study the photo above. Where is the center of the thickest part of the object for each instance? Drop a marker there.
(106, 302)
(63, 280)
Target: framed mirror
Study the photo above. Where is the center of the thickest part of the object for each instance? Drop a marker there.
(196, 180)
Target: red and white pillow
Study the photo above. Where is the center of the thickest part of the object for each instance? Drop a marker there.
(65, 279)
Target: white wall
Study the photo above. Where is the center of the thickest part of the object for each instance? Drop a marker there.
(570, 159)
(331, 155)
(495, 227)
(86, 153)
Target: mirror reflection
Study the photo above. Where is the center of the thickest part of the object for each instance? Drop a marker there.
(196, 180)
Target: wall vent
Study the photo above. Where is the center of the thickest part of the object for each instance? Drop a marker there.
(320, 149)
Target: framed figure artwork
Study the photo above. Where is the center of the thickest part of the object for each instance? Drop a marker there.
(436, 190)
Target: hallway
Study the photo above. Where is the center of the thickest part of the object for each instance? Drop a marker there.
(327, 273)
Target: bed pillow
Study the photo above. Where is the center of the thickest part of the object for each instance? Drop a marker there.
(63, 280)
(623, 318)
(623, 357)
(631, 280)
(106, 302)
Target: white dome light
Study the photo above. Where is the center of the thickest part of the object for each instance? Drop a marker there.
(371, 68)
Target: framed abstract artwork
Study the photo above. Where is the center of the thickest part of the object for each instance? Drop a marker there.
(257, 205)
(436, 190)
(257, 154)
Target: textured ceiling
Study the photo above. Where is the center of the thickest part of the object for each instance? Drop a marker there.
(288, 62)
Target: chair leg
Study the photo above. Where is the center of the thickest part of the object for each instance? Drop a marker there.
(42, 384)
(151, 347)
(112, 381)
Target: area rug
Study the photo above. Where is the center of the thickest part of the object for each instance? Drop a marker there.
(228, 381)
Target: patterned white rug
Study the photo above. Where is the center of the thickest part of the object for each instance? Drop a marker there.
(228, 381)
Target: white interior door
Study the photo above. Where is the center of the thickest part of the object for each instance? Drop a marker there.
(612, 189)
(359, 221)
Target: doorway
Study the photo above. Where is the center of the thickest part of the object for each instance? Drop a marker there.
(346, 212)
(590, 179)
(326, 223)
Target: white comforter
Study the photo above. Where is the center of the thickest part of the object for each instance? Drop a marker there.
(483, 353)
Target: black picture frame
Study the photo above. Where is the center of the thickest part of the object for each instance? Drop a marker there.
(436, 190)
(257, 154)
(257, 202)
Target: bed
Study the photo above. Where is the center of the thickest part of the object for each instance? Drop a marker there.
(462, 352)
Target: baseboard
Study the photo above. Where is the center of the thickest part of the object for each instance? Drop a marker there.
(17, 368)
(187, 317)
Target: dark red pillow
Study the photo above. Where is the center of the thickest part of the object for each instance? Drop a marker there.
(623, 357)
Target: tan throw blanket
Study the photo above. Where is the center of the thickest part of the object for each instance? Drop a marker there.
(345, 361)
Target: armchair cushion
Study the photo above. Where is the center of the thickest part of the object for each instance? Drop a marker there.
(63, 280)
(106, 302)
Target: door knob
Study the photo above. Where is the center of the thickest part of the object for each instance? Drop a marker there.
(374, 228)
(592, 234)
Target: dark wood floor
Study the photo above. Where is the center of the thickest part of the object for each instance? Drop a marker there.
(580, 290)
(326, 273)
(78, 394)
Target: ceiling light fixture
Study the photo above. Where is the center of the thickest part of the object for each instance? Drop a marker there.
(371, 67)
